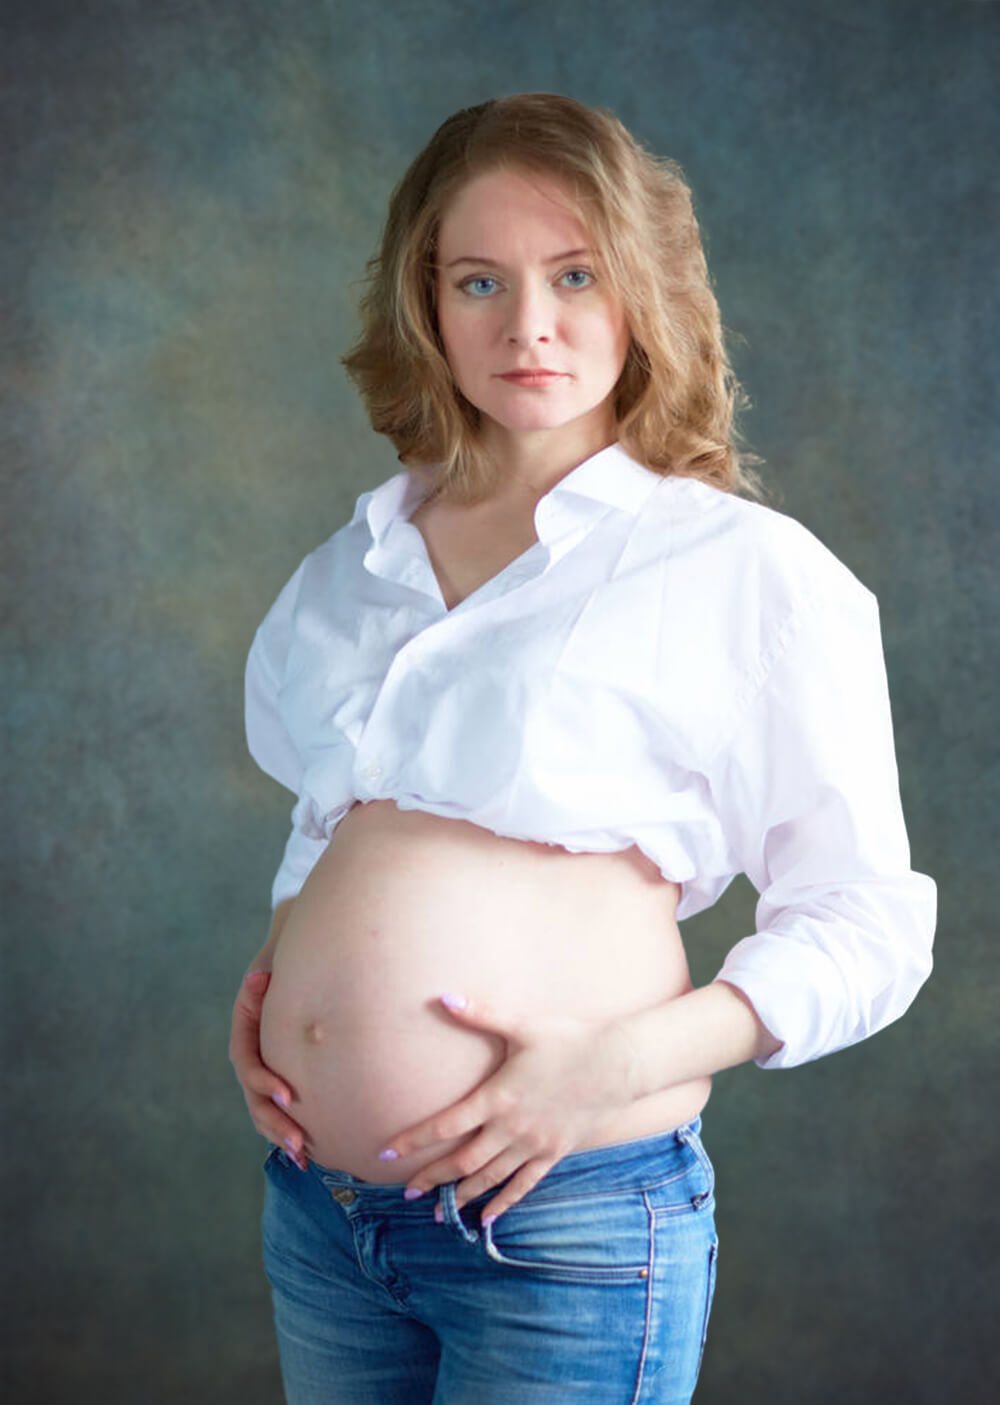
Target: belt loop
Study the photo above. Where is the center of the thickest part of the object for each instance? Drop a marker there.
(689, 1134)
(451, 1215)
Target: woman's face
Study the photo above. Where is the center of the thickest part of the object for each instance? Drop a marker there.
(518, 290)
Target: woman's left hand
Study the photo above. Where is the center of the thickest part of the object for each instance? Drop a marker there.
(562, 1077)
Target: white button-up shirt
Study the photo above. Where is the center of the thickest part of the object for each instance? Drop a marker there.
(668, 666)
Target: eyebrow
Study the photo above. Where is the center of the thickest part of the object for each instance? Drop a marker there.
(494, 263)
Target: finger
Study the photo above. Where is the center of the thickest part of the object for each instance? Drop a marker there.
(489, 1176)
(526, 1179)
(256, 982)
(267, 1095)
(454, 1121)
(254, 1077)
(284, 1133)
(250, 997)
(296, 1154)
(252, 990)
(244, 1043)
(276, 1126)
(479, 1014)
(466, 1161)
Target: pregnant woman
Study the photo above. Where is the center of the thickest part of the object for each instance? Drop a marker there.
(554, 685)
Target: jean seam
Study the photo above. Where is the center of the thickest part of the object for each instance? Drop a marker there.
(647, 1321)
(532, 1201)
(713, 1260)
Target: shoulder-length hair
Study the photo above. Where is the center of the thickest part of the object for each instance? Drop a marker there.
(677, 394)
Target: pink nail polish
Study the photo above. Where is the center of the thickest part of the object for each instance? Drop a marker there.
(388, 1155)
(412, 1193)
(438, 1214)
(454, 1002)
(281, 1100)
(487, 1220)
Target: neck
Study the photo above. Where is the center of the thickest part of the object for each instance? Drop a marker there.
(531, 462)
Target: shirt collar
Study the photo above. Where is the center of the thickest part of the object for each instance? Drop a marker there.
(392, 501)
(609, 478)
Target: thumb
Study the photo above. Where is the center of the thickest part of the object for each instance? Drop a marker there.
(475, 1013)
(255, 984)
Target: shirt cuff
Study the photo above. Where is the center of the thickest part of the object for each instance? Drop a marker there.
(823, 983)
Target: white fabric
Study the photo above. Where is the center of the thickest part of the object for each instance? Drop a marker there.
(669, 666)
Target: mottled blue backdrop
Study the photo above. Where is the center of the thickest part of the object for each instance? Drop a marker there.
(189, 194)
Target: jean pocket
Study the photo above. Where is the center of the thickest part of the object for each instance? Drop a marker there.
(590, 1238)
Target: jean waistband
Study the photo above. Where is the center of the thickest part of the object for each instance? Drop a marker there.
(614, 1160)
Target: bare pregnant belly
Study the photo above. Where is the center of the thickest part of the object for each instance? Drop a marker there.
(404, 906)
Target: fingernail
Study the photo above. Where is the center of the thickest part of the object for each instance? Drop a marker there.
(388, 1155)
(487, 1220)
(454, 1002)
(438, 1214)
(293, 1153)
(280, 1099)
(412, 1193)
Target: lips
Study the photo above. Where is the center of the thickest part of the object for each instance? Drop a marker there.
(538, 376)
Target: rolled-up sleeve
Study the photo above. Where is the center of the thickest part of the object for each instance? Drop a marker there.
(808, 794)
(270, 744)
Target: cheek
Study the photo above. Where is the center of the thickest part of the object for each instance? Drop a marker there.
(463, 330)
(612, 335)
(463, 355)
(605, 328)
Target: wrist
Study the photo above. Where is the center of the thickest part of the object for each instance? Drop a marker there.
(691, 1036)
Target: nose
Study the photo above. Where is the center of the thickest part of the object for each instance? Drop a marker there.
(531, 315)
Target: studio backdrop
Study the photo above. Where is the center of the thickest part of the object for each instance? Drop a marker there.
(190, 193)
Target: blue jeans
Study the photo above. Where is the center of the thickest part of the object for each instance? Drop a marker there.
(596, 1286)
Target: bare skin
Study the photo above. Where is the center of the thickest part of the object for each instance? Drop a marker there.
(404, 906)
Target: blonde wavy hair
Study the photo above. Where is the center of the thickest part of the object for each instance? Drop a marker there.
(677, 395)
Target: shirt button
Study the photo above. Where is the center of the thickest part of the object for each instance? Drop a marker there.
(372, 772)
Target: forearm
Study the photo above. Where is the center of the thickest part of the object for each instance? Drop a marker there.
(262, 961)
(692, 1036)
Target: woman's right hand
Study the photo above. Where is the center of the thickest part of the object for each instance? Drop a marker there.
(266, 1094)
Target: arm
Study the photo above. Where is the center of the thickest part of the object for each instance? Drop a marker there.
(807, 792)
(692, 1036)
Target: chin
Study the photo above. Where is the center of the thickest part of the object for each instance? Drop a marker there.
(525, 424)
(537, 417)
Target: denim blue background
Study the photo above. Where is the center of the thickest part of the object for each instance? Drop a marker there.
(189, 194)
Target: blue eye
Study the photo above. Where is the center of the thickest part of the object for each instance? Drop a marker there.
(581, 273)
(474, 286)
